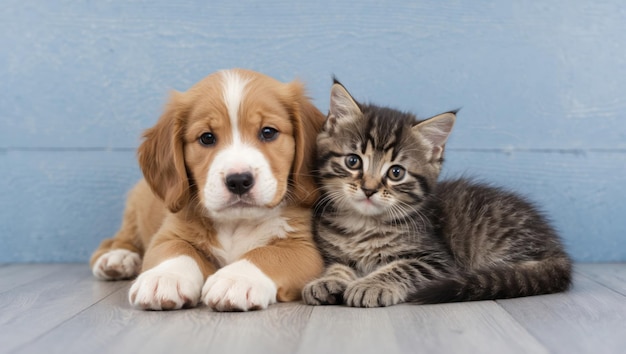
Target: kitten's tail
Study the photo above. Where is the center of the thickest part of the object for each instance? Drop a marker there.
(522, 279)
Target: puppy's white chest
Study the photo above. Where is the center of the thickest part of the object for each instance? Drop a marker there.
(237, 238)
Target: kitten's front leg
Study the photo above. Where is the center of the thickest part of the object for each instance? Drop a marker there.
(388, 285)
(329, 289)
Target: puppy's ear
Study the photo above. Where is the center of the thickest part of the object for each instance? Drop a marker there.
(161, 155)
(307, 121)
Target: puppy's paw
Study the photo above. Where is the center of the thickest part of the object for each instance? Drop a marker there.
(240, 286)
(364, 293)
(173, 284)
(117, 264)
(324, 291)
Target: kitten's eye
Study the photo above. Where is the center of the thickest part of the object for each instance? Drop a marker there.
(396, 173)
(207, 139)
(268, 134)
(353, 162)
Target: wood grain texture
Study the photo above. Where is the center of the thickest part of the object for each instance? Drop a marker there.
(338, 329)
(58, 206)
(475, 327)
(17, 275)
(94, 74)
(30, 310)
(279, 330)
(481, 327)
(67, 311)
(112, 326)
(612, 275)
(588, 319)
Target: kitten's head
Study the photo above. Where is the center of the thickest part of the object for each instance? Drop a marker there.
(379, 161)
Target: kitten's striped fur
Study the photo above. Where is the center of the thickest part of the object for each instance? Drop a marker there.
(390, 233)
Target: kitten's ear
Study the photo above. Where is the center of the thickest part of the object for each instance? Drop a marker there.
(343, 107)
(435, 131)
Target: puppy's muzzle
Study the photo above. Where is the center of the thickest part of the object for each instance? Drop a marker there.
(239, 183)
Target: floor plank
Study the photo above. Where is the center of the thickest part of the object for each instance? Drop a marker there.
(64, 310)
(473, 327)
(14, 275)
(33, 309)
(278, 329)
(338, 329)
(451, 328)
(112, 326)
(589, 318)
(611, 275)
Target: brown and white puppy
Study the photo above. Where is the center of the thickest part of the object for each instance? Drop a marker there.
(223, 214)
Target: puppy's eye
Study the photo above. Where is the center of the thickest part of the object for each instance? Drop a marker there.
(207, 139)
(353, 162)
(396, 173)
(268, 134)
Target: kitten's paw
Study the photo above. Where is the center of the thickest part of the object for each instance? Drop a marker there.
(363, 293)
(117, 264)
(172, 285)
(240, 286)
(324, 291)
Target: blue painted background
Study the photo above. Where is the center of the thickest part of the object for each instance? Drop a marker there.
(542, 86)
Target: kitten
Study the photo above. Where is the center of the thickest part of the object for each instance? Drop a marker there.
(390, 233)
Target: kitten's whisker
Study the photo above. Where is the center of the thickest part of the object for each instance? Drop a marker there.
(414, 223)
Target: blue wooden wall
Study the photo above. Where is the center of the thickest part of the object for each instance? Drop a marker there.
(542, 86)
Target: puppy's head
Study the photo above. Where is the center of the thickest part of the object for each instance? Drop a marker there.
(238, 143)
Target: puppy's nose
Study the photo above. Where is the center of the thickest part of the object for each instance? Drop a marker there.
(239, 183)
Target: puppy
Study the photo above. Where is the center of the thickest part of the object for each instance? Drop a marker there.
(222, 215)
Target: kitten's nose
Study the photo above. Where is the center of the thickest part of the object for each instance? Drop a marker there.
(239, 183)
(368, 192)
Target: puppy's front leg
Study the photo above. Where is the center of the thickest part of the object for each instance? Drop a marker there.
(172, 277)
(239, 286)
(267, 274)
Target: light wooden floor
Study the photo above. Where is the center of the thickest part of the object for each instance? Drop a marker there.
(60, 308)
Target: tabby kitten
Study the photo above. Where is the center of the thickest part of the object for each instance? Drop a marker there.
(390, 233)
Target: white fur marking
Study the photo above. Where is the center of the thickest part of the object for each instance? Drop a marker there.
(240, 286)
(238, 157)
(125, 263)
(237, 238)
(234, 91)
(170, 285)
